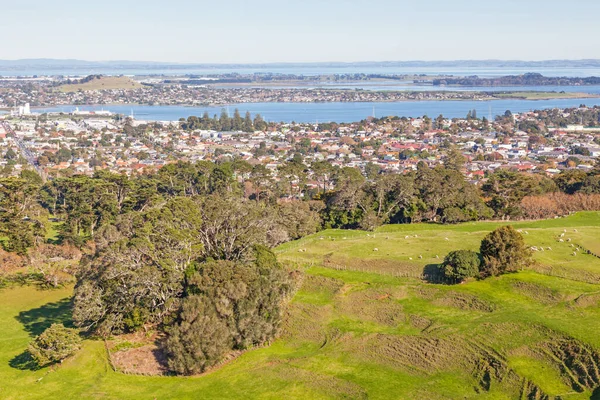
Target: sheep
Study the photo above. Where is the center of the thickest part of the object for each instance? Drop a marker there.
(344, 238)
(569, 239)
(416, 236)
(561, 241)
(406, 237)
(549, 248)
(436, 256)
(564, 230)
(375, 249)
(410, 258)
(572, 245)
(368, 235)
(575, 230)
(562, 235)
(446, 238)
(420, 256)
(387, 238)
(527, 233)
(574, 253)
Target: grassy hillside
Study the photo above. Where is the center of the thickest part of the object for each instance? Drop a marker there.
(104, 82)
(364, 325)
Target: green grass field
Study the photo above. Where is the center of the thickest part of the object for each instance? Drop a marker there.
(364, 325)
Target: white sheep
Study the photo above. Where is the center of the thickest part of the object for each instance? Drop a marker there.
(549, 248)
(562, 235)
(420, 256)
(375, 249)
(446, 238)
(436, 256)
(406, 237)
(569, 239)
(561, 241)
(574, 230)
(410, 258)
(574, 253)
(527, 233)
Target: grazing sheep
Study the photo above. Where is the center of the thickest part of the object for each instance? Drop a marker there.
(562, 235)
(527, 233)
(561, 241)
(420, 256)
(446, 238)
(368, 235)
(436, 256)
(574, 253)
(549, 248)
(375, 249)
(564, 230)
(572, 245)
(406, 237)
(569, 239)
(416, 236)
(344, 238)
(410, 258)
(387, 237)
(574, 230)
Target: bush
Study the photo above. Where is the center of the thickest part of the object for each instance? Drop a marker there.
(54, 345)
(502, 251)
(461, 264)
(199, 341)
(231, 305)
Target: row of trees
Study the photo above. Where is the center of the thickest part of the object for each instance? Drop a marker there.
(224, 122)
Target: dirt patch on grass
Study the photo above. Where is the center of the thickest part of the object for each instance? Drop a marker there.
(380, 266)
(579, 363)
(587, 300)
(306, 322)
(537, 292)
(144, 360)
(316, 283)
(462, 301)
(375, 305)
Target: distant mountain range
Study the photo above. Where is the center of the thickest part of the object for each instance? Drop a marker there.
(76, 64)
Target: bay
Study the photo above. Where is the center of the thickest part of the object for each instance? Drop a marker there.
(335, 112)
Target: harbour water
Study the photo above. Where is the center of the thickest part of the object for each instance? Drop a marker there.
(336, 112)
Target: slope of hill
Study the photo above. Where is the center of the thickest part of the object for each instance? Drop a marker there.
(366, 325)
(102, 82)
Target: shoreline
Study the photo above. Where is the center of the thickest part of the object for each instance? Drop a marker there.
(509, 96)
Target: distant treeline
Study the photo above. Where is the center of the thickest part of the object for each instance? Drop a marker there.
(529, 79)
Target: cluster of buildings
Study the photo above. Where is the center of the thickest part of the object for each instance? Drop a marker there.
(47, 93)
(64, 146)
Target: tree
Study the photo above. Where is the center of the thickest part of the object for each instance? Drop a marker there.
(460, 265)
(231, 305)
(503, 250)
(199, 340)
(454, 160)
(54, 345)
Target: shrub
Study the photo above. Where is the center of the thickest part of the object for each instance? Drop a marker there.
(231, 305)
(502, 251)
(461, 264)
(199, 341)
(54, 345)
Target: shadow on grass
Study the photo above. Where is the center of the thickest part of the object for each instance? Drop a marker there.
(24, 362)
(433, 274)
(595, 394)
(38, 319)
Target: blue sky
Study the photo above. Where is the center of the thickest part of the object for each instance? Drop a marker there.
(257, 31)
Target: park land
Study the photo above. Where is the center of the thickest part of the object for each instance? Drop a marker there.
(366, 323)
